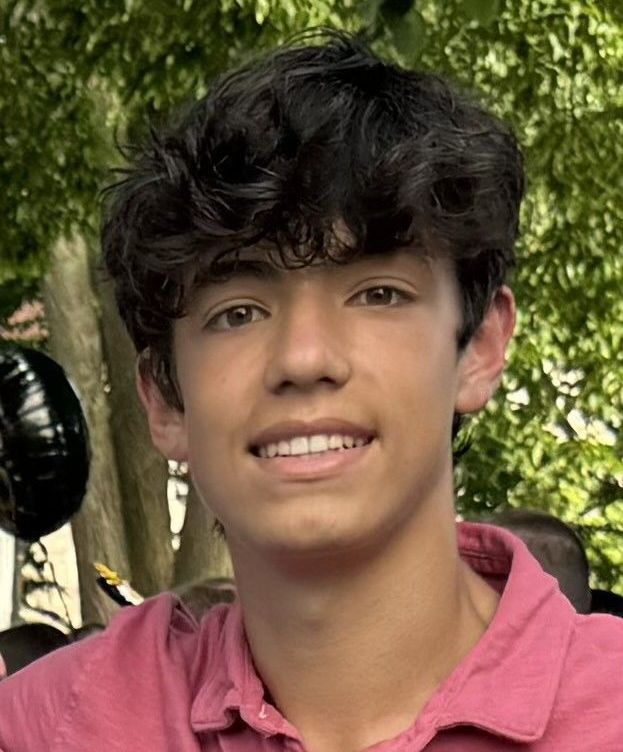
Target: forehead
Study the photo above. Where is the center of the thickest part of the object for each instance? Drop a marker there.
(271, 266)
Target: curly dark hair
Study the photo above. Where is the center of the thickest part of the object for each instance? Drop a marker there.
(285, 149)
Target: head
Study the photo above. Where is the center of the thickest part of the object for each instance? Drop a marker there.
(25, 643)
(200, 595)
(86, 630)
(557, 548)
(296, 181)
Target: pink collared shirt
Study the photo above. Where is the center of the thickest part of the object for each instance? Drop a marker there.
(541, 679)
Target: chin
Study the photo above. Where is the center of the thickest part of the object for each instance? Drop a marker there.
(318, 540)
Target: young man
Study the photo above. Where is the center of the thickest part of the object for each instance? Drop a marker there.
(311, 264)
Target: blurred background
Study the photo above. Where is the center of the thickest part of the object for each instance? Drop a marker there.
(77, 78)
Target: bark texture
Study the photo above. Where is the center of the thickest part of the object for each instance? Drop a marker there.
(203, 552)
(75, 342)
(143, 472)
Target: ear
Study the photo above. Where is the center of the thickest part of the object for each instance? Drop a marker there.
(482, 361)
(166, 423)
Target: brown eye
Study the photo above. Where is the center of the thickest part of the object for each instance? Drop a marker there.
(239, 316)
(383, 295)
(236, 317)
(380, 296)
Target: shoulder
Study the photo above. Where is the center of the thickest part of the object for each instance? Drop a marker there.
(102, 677)
(595, 649)
(591, 686)
(35, 699)
(596, 639)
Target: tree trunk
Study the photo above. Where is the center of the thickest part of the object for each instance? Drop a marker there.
(143, 472)
(203, 551)
(74, 341)
(9, 580)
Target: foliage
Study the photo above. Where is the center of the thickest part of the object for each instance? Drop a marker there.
(78, 76)
(73, 75)
(552, 438)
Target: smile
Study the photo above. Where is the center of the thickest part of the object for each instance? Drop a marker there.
(315, 466)
(299, 446)
(298, 451)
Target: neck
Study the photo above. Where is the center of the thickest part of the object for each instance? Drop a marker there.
(371, 640)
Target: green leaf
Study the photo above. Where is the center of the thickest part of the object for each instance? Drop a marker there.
(369, 11)
(397, 7)
(408, 34)
(483, 11)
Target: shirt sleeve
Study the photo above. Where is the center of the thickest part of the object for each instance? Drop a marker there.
(36, 701)
(109, 692)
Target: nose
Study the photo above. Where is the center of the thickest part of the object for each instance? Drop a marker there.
(309, 349)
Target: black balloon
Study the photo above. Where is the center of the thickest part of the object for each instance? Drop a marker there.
(44, 446)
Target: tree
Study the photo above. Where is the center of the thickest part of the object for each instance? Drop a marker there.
(79, 77)
(552, 437)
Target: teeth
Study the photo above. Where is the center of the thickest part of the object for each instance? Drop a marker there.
(284, 448)
(318, 444)
(335, 441)
(299, 445)
(315, 444)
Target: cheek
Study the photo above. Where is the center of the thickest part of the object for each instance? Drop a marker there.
(419, 360)
(209, 380)
(218, 402)
(420, 393)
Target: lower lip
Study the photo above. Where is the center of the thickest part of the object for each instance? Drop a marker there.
(314, 466)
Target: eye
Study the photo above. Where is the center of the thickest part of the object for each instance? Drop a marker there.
(235, 317)
(382, 295)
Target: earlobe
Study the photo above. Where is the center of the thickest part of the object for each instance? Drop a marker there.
(483, 360)
(166, 423)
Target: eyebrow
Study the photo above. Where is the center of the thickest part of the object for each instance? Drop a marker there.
(263, 269)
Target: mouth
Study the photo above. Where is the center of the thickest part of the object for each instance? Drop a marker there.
(306, 446)
(310, 452)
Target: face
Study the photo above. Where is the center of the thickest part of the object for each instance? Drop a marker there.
(319, 402)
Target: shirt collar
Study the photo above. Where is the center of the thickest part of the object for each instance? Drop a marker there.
(506, 685)
(228, 684)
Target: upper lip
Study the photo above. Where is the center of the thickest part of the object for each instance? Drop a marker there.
(290, 429)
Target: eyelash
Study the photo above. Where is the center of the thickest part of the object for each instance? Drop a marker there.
(212, 323)
(396, 293)
(401, 294)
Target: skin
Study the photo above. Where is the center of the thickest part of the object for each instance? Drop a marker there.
(356, 603)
